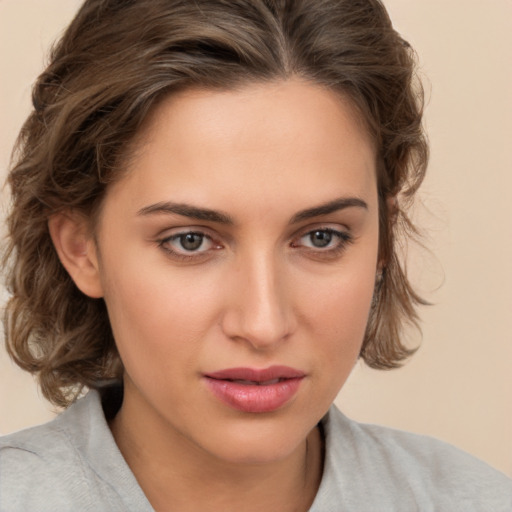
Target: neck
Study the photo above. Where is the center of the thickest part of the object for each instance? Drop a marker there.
(170, 470)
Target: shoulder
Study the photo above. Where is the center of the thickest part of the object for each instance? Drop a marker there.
(42, 458)
(404, 471)
(68, 461)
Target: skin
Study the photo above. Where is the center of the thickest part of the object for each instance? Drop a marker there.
(258, 291)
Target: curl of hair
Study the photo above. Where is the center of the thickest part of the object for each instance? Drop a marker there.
(116, 60)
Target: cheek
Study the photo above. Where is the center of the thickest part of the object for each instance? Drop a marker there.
(156, 313)
(334, 320)
(335, 311)
(342, 300)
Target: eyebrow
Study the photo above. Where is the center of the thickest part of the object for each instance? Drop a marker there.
(194, 212)
(187, 210)
(330, 207)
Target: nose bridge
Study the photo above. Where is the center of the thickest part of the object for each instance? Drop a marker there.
(260, 313)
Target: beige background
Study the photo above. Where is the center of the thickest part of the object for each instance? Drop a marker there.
(458, 387)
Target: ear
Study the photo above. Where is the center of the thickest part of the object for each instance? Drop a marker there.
(76, 248)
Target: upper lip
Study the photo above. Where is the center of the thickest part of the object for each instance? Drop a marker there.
(257, 375)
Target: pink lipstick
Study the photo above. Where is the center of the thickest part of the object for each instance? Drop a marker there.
(254, 390)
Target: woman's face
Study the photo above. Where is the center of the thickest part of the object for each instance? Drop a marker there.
(237, 259)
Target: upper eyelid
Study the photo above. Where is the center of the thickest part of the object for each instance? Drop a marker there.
(337, 232)
(329, 230)
(183, 233)
(326, 226)
(177, 231)
(208, 232)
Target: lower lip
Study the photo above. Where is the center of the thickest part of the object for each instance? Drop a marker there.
(254, 398)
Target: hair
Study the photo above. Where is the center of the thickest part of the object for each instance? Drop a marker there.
(114, 63)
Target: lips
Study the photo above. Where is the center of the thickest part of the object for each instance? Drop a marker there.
(255, 390)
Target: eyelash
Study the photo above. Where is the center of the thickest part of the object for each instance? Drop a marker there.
(343, 240)
(193, 255)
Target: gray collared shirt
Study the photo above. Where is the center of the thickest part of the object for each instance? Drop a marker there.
(73, 463)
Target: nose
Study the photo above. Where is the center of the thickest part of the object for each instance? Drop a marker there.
(259, 310)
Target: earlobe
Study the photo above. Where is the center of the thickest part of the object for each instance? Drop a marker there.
(77, 252)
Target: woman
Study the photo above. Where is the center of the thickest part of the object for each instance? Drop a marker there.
(205, 208)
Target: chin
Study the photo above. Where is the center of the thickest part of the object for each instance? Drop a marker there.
(258, 440)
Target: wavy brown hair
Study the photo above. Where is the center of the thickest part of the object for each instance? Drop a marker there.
(115, 62)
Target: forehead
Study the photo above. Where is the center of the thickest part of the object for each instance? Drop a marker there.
(263, 140)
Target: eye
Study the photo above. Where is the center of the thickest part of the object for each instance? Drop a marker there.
(188, 244)
(319, 238)
(324, 240)
(190, 241)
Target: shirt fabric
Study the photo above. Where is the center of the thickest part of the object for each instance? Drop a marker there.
(73, 464)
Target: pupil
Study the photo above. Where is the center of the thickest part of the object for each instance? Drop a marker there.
(321, 238)
(191, 241)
